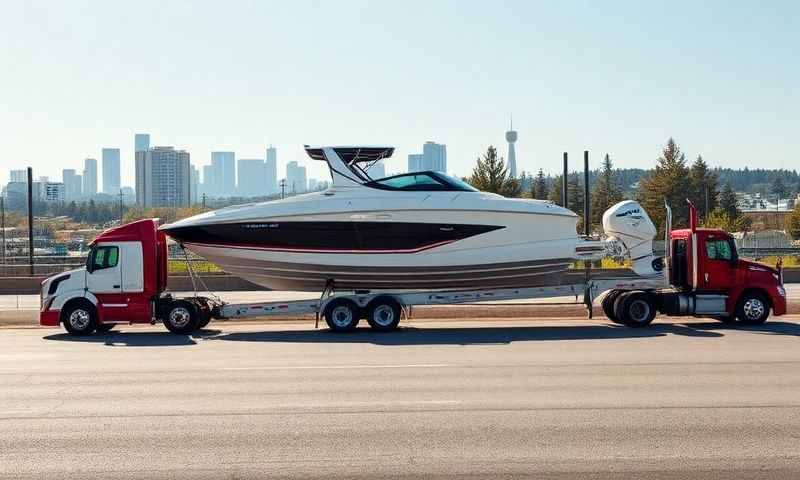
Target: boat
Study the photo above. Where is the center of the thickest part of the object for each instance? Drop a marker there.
(418, 230)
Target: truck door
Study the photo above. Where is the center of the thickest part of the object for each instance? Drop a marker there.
(718, 263)
(104, 280)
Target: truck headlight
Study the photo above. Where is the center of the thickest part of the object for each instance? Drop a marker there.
(782, 291)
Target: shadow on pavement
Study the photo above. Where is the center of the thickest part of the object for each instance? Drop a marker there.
(137, 339)
(434, 336)
(468, 336)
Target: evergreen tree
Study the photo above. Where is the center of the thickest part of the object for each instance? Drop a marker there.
(668, 182)
(793, 223)
(703, 184)
(554, 195)
(778, 188)
(575, 197)
(606, 192)
(728, 203)
(539, 188)
(491, 175)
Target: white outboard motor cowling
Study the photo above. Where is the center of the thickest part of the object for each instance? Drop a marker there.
(628, 223)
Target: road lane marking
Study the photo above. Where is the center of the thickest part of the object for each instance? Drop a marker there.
(333, 367)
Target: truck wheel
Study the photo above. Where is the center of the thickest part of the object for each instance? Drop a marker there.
(182, 318)
(80, 318)
(342, 315)
(636, 309)
(105, 327)
(608, 305)
(753, 309)
(383, 314)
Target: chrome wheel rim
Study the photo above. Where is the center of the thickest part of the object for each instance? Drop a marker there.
(384, 315)
(753, 309)
(179, 317)
(80, 319)
(639, 311)
(342, 316)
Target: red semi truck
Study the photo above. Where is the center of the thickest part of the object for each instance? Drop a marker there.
(125, 282)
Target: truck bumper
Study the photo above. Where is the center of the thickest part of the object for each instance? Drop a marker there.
(778, 305)
(49, 318)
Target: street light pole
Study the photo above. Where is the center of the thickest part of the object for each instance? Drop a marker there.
(30, 219)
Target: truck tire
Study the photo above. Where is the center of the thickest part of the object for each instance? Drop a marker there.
(383, 313)
(635, 309)
(80, 318)
(752, 309)
(342, 315)
(608, 305)
(181, 318)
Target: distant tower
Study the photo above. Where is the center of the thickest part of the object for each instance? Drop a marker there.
(511, 138)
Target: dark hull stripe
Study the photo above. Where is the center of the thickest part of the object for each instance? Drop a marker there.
(372, 283)
(378, 278)
(373, 269)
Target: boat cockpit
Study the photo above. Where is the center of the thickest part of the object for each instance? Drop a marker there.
(350, 166)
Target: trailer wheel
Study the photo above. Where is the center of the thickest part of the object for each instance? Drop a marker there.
(383, 313)
(752, 309)
(635, 309)
(342, 315)
(181, 318)
(608, 305)
(80, 318)
(105, 327)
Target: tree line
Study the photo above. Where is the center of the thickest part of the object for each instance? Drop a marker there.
(673, 180)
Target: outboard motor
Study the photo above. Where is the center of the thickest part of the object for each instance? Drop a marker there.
(630, 230)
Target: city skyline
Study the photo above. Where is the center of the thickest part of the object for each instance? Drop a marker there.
(730, 95)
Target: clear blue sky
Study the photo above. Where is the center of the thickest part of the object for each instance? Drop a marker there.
(617, 77)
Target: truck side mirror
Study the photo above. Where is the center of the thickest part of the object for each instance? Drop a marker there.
(90, 261)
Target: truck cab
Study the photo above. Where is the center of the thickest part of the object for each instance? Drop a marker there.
(704, 262)
(122, 282)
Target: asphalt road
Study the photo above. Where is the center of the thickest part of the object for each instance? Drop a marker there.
(548, 399)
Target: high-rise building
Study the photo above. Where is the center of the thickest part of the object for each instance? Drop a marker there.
(271, 186)
(18, 176)
(53, 191)
(111, 178)
(415, 162)
(511, 138)
(194, 181)
(434, 156)
(224, 178)
(141, 142)
(73, 184)
(207, 187)
(295, 178)
(252, 175)
(90, 177)
(163, 177)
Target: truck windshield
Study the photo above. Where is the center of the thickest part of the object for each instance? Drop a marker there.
(719, 249)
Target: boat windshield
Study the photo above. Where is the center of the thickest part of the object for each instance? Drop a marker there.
(422, 181)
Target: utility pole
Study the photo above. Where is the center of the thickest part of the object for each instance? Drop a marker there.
(30, 219)
(283, 188)
(121, 207)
